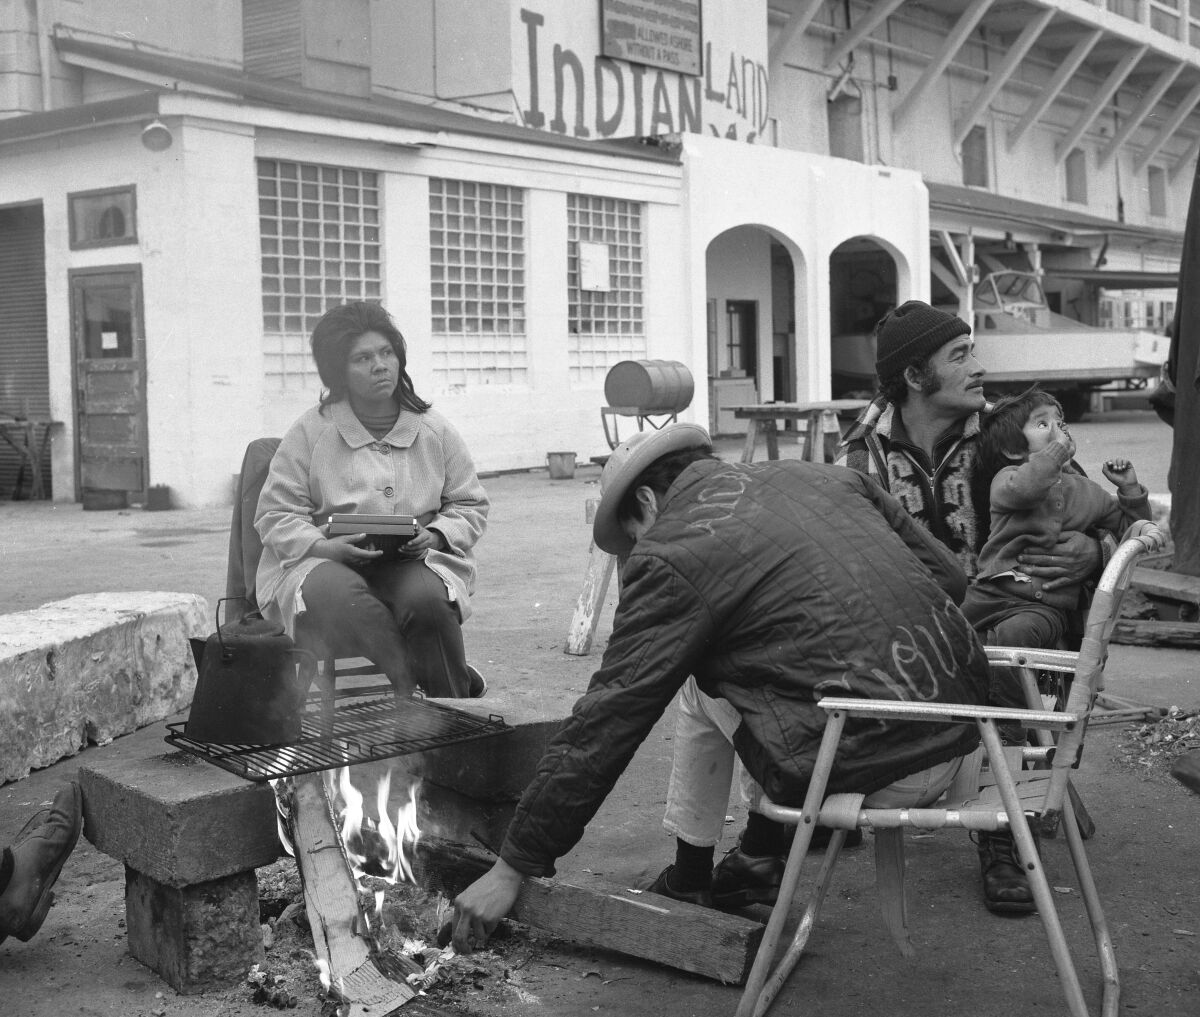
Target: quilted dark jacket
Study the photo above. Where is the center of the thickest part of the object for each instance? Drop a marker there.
(774, 584)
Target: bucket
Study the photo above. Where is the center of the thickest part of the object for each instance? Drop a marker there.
(561, 464)
(653, 386)
(158, 498)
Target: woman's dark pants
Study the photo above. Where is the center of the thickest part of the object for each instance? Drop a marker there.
(397, 614)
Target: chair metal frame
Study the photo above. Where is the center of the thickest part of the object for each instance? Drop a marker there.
(991, 793)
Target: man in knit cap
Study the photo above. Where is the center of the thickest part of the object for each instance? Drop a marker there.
(920, 439)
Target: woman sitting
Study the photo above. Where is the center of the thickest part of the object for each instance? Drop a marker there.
(373, 446)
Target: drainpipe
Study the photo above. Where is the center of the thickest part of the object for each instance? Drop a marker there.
(43, 28)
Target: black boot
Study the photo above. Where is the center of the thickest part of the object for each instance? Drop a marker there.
(665, 886)
(1006, 888)
(740, 879)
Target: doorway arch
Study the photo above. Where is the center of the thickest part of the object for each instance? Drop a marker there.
(864, 283)
(755, 294)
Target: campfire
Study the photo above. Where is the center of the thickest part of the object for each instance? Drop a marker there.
(346, 860)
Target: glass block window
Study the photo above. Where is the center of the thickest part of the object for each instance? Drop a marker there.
(319, 229)
(477, 277)
(607, 319)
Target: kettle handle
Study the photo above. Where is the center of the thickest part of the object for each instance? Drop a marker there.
(217, 618)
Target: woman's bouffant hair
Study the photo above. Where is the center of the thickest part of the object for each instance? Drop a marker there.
(1001, 436)
(338, 330)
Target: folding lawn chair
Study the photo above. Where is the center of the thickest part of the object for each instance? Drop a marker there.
(992, 792)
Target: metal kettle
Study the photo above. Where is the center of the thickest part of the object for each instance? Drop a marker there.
(252, 684)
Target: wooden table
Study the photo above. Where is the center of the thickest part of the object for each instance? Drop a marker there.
(22, 434)
(762, 419)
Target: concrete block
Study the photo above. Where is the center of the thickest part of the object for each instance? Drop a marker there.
(195, 937)
(177, 819)
(90, 668)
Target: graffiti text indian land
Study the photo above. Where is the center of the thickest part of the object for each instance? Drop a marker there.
(613, 84)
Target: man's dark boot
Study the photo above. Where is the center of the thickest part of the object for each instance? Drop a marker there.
(1006, 888)
(662, 886)
(740, 879)
(38, 854)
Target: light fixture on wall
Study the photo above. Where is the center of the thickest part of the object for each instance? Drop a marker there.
(156, 136)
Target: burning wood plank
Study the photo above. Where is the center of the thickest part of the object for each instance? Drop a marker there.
(340, 928)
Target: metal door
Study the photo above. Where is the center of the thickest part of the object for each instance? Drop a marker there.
(110, 385)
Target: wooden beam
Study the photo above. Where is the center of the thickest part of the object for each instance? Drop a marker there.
(1114, 81)
(1134, 120)
(875, 16)
(1169, 585)
(596, 577)
(999, 78)
(1186, 160)
(796, 26)
(683, 936)
(954, 41)
(1054, 86)
(1157, 633)
(331, 900)
(1174, 122)
(948, 279)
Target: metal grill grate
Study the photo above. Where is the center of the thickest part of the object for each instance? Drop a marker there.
(360, 732)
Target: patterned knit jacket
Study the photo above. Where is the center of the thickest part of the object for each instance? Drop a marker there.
(941, 501)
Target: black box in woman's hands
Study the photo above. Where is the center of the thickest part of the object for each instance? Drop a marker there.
(343, 523)
(384, 533)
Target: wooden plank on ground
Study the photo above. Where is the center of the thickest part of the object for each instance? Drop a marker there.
(331, 899)
(644, 925)
(1169, 585)
(1157, 633)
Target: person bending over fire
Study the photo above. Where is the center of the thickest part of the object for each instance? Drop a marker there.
(373, 445)
(764, 586)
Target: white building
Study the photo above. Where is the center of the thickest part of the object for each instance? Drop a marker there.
(184, 188)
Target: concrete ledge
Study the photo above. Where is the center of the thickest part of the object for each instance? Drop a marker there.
(90, 668)
(178, 819)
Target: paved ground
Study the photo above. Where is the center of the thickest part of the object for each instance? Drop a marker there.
(531, 564)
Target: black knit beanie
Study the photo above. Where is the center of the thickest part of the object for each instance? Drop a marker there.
(910, 333)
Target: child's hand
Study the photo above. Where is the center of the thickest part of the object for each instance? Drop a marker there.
(1120, 472)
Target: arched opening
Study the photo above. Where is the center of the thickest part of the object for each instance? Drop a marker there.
(751, 302)
(863, 283)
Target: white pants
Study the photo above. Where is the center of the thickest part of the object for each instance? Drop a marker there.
(702, 772)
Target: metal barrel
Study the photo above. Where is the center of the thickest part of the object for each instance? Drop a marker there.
(653, 386)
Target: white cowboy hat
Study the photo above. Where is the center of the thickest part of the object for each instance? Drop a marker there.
(624, 466)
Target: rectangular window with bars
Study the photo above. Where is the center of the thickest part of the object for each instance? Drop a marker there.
(319, 229)
(605, 296)
(477, 281)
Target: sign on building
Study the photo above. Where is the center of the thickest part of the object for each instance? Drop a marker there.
(657, 33)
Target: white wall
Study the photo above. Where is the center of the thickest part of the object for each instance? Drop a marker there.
(198, 251)
(811, 204)
(509, 426)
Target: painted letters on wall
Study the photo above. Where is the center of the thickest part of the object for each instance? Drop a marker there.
(570, 88)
